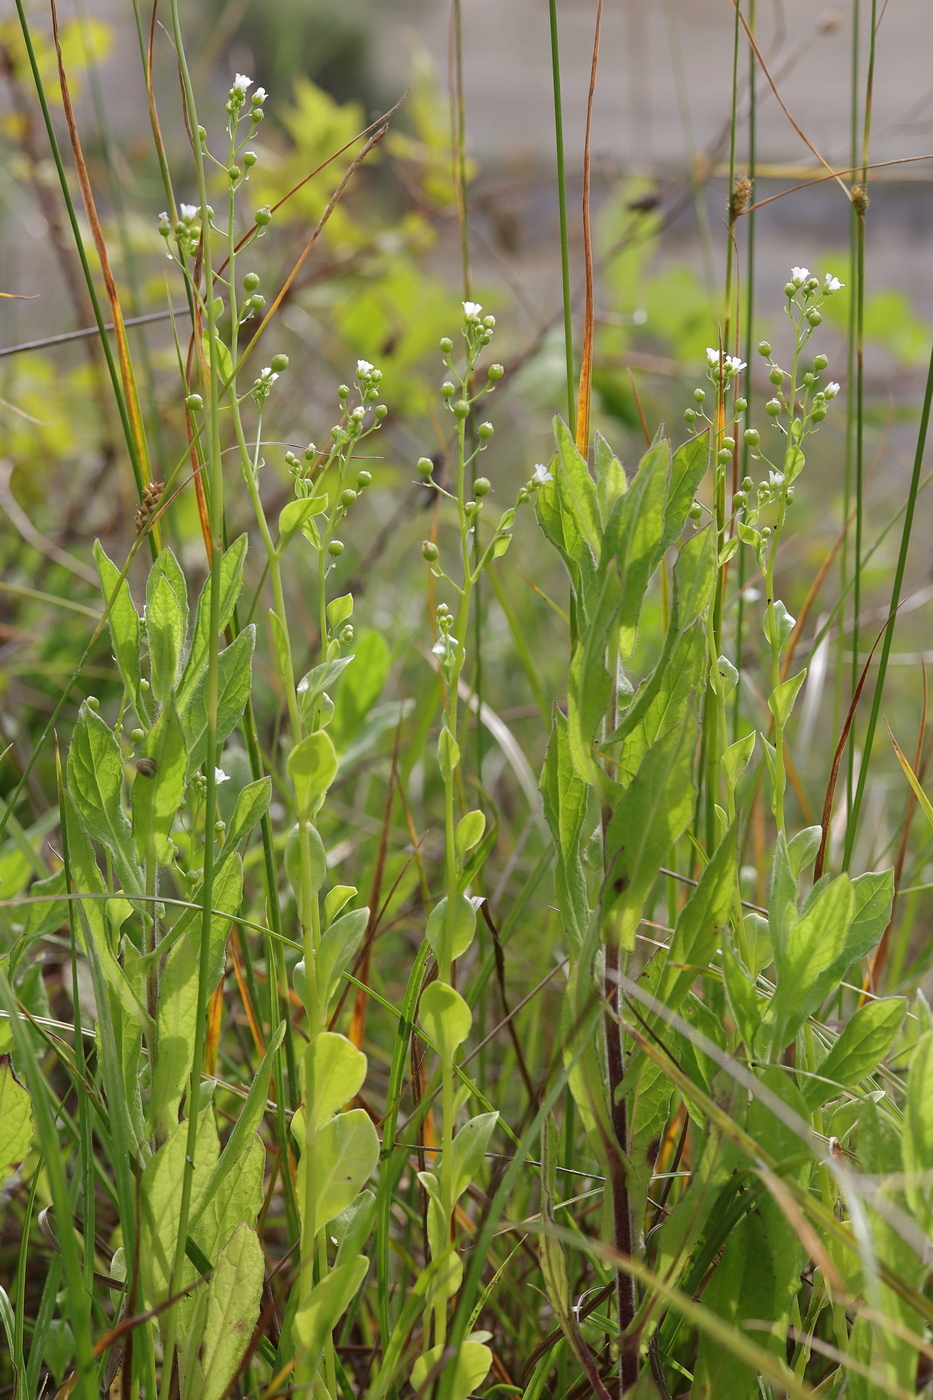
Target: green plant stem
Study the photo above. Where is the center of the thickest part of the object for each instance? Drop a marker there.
(215, 506)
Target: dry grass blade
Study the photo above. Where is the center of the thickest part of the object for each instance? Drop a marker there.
(589, 316)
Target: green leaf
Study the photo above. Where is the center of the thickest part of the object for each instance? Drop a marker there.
(15, 1120)
(211, 1356)
(448, 753)
(565, 796)
(319, 1313)
(460, 933)
(740, 1290)
(700, 923)
(175, 1034)
(470, 829)
(296, 514)
(741, 996)
(166, 623)
(234, 681)
(247, 1124)
(339, 610)
(317, 859)
(445, 1017)
(338, 945)
(634, 538)
(311, 687)
(312, 767)
(470, 1368)
(688, 468)
(332, 1074)
(339, 1161)
(737, 756)
(670, 702)
(917, 1140)
(352, 1226)
(610, 477)
(782, 698)
(859, 1050)
(95, 778)
(160, 1204)
(123, 621)
(652, 813)
(251, 804)
(576, 489)
(813, 944)
(231, 581)
(156, 798)
(469, 1149)
(802, 849)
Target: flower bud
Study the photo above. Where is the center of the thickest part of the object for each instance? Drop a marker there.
(739, 499)
(724, 456)
(446, 344)
(696, 511)
(430, 551)
(278, 363)
(495, 372)
(741, 405)
(234, 173)
(689, 417)
(789, 290)
(335, 548)
(461, 409)
(818, 414)
(482, 486)
(257, 301)
(820, 363)
(194, 402)
(380, 411)
(262, 216)
(777, 375)
(425, 466)
(485, 431)
(348, 497)
(448, 390)
(729, 443)
(699, 395)
(751, 437)
(764, 349)
(773, 408)
(814, 317)
(92, 702)
(251, 281)
(249, 159)
(363, 479)
(137, 734)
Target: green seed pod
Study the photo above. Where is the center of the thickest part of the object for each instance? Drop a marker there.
(724, 456)
(752, 437)
(820, 363)
(430, 551)
(773, 408)
(814, 317)
(485, 431)
(728, 443)
(460, 409)
(251, 281)
(777, 375)
(92, 702)
(495, 372)
(194, 402)
(699, 395)
(262, 216)
(689, 417)
(234, 173)
(764, 349)
(448, 390)
(482, 486)
(363, 479)
(348, 497)
(335, 548)
(446, 344)
(278, 363)
(425, 466)
(249, 159)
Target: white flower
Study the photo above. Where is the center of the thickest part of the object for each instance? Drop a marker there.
(268, 376)
(220, 776)
(799, 275)
(471, 310)
(259, 97)
(541, 474)
(712, 357)
(363, 367)
(832, 284)
(733, 365)
(242, 84)
(188, 212)
(831, 390)
(775, 478)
